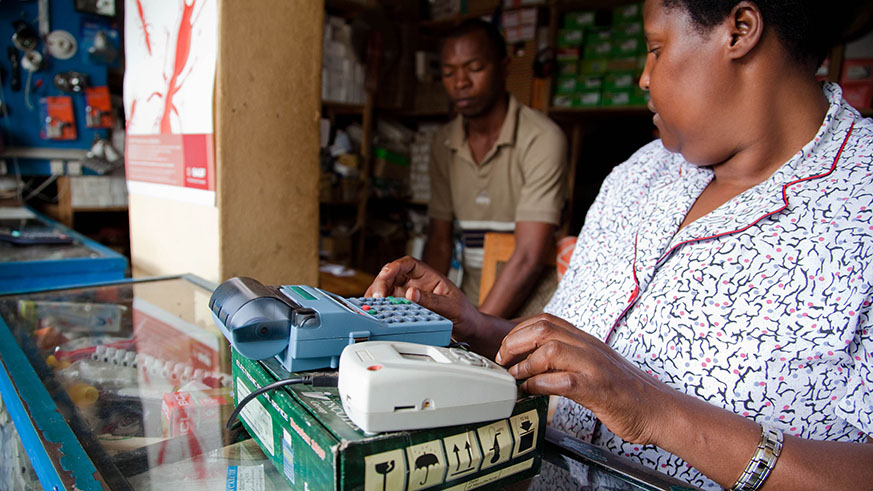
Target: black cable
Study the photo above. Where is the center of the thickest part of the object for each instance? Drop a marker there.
(313, 380)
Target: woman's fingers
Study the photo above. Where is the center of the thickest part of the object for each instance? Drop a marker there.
(534, 333)
(397, 276)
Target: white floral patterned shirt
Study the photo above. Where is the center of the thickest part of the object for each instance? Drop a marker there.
(761, 307)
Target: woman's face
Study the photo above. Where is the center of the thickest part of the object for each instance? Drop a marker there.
(686, 77)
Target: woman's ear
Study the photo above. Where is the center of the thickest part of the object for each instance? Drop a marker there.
(746, 28)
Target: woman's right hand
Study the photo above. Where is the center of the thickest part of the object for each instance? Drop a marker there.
(410, 278)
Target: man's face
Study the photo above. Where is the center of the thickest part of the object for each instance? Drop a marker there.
(688, 83)
(472, 75)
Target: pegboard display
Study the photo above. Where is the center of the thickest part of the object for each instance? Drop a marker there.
(54, 73)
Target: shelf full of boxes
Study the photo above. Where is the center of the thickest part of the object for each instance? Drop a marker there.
(599, 58)
(345, 142)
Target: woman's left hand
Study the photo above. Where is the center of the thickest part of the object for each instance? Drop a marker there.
(556, 358)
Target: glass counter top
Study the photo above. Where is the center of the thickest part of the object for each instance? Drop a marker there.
(138, 389)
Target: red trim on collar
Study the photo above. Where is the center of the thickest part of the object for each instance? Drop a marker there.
(635, 294)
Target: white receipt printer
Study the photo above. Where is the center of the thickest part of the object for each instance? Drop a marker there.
(394, 386)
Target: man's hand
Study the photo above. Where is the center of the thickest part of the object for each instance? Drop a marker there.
(410, 278)
(556, 358)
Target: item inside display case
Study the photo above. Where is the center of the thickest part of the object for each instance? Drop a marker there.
(143, 382)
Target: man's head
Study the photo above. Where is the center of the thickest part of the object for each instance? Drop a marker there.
(473, 62)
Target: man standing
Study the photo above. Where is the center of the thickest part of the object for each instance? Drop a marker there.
(498, 166)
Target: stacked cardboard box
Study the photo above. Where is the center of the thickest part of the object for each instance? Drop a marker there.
(308, 437)
(342, 75)
(599, 63)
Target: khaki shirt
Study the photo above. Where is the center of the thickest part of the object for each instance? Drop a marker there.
(522, 178)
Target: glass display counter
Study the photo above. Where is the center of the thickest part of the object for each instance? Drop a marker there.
(127, 386)
(37, 253)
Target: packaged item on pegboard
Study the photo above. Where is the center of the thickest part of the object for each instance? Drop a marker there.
(58, 120)
(98, 108)
(101, 43)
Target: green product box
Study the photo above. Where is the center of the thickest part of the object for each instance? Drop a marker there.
(625, 65)
(628, 29)
(570, 37)
(579, 19)
(641, 62)
(619, 80)
(627, 13)
(617, 97)
(567, 67)
(597, 49)
(308, 437)
(639, 97)
(588, 98)
(567, 54)
(565, 84)
(623, 47)
(589, 67)
(597, 34)
(562, 100)
(589, 82)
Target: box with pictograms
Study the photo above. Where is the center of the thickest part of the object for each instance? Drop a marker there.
(308, 437)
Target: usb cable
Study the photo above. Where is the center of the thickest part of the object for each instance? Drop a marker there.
(313, 380)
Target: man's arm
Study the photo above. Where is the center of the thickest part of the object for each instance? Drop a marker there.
(438, 248)
(533, 241)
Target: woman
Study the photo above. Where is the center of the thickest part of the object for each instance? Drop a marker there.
(715, 320)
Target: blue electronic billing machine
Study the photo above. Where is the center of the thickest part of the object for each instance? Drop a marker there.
(306, 328)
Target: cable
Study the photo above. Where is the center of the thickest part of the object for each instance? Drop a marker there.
(27, 90)
(313, 380)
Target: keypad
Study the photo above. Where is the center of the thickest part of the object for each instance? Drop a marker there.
(394, 310)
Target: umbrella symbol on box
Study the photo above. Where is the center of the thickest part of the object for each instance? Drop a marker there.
(426, 460)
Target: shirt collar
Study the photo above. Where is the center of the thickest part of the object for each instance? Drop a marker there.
(818, 154)
(458, 136)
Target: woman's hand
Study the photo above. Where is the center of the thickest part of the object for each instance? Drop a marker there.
(410, 278)
(556, 358)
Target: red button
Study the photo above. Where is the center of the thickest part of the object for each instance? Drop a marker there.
(365, 307)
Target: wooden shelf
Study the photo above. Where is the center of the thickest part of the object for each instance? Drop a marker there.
(569, 112)
(342, 108)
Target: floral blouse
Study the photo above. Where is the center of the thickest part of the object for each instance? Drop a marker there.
(761, 307)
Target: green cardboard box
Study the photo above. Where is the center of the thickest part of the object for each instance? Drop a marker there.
(628, 46)
(308, 437)
(567, 54)
(589, 82)
(619, 80)
(568, 67)
(618, 97)
(597, 49)
(579, 19)
(591, 67)
(597, 34)
(562, 100)
(570, 37)
(565, 84)
(624, 14)
(628, 29)
(587, 98)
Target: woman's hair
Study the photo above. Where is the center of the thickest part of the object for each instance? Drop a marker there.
(805, 27)
(495, 39)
